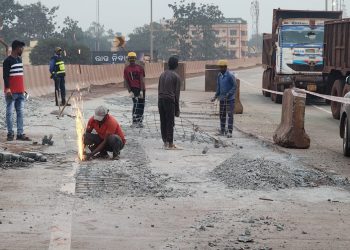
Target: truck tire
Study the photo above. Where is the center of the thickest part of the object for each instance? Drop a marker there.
(346, 144)
(346, 89)
(337, 90)
(266, 82)
(274, 97)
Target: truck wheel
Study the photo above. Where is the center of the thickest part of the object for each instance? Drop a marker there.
(274, 97)
(337, 90)
(346, 89)
(346, 144)
(266, 82)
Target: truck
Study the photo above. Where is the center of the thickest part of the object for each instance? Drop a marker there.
(293, 52)
(337, 60)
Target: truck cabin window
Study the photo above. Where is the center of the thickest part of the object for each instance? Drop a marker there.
(301, 35)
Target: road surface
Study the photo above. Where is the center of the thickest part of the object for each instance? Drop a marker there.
(240, 193)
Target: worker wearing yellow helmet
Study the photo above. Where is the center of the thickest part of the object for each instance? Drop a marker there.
(134, 76)
(225, 93)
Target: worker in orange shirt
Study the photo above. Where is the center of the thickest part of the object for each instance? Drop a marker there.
(109, 136)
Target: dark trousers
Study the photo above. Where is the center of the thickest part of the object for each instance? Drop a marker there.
(227, 108)
(138, 106)
(167, 119)
(114, 143)
(60, 89)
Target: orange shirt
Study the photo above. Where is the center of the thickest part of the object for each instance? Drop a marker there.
(109, 127)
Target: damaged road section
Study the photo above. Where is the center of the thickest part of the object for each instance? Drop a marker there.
(240, 172)
(129, 176)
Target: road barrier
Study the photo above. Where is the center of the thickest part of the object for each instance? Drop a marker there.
(38, 82)
(238, 103)
(291, 132)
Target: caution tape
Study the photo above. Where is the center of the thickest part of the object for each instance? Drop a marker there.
(327, 97)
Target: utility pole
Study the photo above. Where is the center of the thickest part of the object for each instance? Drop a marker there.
(98, 25)
(255, 13)
(151, 32)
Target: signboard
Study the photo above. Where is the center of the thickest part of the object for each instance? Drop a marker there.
(108, 57)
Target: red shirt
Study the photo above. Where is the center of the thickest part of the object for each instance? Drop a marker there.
(109, 127)
(133, 75)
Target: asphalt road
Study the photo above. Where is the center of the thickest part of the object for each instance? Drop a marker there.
(247, 193)
(261, 118)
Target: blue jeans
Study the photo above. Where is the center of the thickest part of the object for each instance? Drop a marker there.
(227, 108)
(17, 102)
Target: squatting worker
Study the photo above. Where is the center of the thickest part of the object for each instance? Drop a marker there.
(225, 92)
(14, 91)
(109, 136)
(168, 102)
(134, 76)
(58, 74)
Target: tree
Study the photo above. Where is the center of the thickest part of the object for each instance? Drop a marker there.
(42, 53)
(35, 21)
(96, 32)
(163, 39)
(192, 26)
(71, 30)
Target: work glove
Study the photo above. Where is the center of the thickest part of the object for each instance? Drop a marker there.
(141, 95)
(131, 94)
(213, 99)
(177, 113)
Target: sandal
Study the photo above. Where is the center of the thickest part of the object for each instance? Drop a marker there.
(23, 137)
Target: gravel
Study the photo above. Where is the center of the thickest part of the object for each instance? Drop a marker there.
(129, 176)
(240, 172)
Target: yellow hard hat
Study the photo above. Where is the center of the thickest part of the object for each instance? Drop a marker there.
(131, 54)
(222, 63)
(57, 49)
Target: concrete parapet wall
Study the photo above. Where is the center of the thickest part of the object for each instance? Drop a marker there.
(38, 82)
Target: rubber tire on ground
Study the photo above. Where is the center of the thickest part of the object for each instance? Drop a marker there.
(274, 97)
(266, 82)
(346, 144)
(337, 90)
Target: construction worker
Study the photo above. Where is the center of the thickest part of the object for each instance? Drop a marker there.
(134, 76)
(225, 92)
(58, 74)
(109, 136)
(14, 88)
(168, 102)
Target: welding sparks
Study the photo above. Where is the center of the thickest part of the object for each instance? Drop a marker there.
(79, 123)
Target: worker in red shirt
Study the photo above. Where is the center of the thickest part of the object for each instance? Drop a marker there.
(134, 76)
(108, 136)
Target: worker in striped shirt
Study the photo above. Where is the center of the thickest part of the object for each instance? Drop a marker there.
(14, 91)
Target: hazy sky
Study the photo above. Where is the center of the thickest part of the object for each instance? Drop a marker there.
(125, 15)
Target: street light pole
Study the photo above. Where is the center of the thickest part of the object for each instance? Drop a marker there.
(151, 31)
(98, 26)
(326, 3)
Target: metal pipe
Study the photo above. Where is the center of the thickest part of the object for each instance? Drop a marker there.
(151, 32)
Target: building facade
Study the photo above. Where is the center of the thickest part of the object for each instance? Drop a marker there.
(233, 35)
